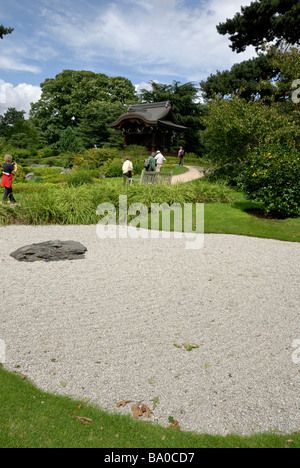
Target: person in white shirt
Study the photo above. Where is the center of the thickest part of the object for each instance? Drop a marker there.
(127, 169)
(160, 160)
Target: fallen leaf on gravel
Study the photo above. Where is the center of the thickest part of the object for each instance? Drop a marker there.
(187, 345)
(136, 410)
(146, 410)
(190, 346)
(137, 413)
(123, 403)
(177, 345)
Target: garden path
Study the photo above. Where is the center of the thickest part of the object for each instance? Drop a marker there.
(194, 172)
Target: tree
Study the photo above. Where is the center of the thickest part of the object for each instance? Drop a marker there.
(263, 21)
(69, 142)
(288, 64)
(250, 79)
(186, 107)
(9, 120)
(18, 132)
(4, 31)
(233, 126)
(92, 128)
(64, 100)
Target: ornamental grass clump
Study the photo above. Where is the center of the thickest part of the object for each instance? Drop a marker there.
(271, 176)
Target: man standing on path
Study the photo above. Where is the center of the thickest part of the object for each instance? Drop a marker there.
(181, 156)
(160, 160)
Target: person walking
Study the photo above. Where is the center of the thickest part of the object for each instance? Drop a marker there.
(181, 156)
(9, 170)
(151, 168)
(159, 161)
(152, 163)
(127, 169)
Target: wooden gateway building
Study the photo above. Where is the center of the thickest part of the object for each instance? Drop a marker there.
(150, 125)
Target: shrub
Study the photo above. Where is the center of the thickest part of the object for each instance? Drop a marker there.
(136, 150)
(113, 168)
(271, 175)
(95, 158)
(233, 125)
(78, 178)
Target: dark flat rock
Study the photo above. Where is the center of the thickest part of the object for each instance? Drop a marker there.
(50, 251)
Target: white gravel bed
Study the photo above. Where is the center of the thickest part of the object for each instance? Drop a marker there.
(104, 328)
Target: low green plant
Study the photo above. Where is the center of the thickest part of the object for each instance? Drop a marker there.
(95, 158)
(113, 168)
(78, 178)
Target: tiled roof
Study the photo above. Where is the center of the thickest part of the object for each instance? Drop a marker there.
(151, 114)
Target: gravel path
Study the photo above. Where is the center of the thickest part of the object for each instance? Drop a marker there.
(108, 327)
(194, 172)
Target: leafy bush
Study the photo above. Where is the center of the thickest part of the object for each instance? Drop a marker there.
(271, 175)
(95, 158)
(113, 168)
(136, 150)
(78, 178)
(233, 125)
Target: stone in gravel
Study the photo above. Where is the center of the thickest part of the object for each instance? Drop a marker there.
(50, 251)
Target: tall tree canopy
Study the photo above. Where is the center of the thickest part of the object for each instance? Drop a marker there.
(187, 109)
(17, 131)
(250, 79)
(4, 31)
(263, 21)
(66, 100)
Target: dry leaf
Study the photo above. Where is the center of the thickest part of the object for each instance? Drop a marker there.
(137, 412)
(83, 419)
(146, 410)
(123, 403)
(175, 425)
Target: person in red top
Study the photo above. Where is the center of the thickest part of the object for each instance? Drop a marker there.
(9, 170)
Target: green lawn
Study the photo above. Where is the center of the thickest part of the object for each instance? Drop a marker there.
(222, 218)
(31, 418)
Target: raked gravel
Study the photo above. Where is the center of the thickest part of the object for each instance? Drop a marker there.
(104, 328)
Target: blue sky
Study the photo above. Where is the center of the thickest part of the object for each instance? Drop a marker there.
(142, 40)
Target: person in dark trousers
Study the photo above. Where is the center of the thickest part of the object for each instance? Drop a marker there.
(9, 170)
(127, 169)
(181, 155)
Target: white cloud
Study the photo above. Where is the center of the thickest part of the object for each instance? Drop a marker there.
(11, 64)
(143, 85)
(20, 97)
(168, 38)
